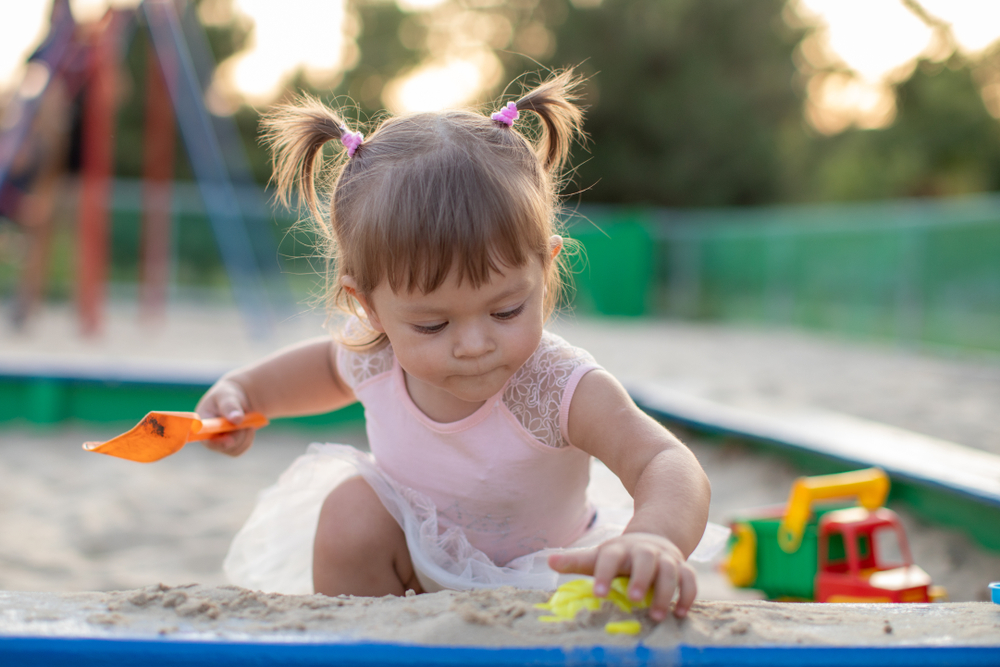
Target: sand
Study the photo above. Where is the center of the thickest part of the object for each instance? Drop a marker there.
(500, 617)
(77, 527)
(73, 521)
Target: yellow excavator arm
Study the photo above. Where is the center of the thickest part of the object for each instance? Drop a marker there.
(869, 486)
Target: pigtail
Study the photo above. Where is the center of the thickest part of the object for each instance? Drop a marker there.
(296, 134)
(554, 101)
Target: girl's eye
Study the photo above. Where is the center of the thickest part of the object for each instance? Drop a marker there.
(430, 328)
(510, 314)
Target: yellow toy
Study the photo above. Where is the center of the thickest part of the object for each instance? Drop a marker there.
(578, 594)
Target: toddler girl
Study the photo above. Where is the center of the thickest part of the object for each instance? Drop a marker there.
(482, 425)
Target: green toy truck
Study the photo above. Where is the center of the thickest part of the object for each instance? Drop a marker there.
(831, 553)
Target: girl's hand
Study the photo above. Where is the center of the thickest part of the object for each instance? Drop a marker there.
(650, 561)
(227, 399)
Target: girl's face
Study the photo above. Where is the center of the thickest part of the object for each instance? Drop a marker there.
(458, 345)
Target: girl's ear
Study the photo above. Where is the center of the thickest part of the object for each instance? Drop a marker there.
(555, 245)
(350, 285)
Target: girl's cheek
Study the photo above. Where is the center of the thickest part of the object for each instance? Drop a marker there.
(420, 350)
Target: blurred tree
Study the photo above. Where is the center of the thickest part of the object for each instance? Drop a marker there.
(691, 101)
(943, 142)
(390, 41)
(358, 92)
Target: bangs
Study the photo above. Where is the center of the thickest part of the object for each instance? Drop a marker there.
(450, 213)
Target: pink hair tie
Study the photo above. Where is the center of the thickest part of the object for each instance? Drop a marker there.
(506, 115)
(351, 140)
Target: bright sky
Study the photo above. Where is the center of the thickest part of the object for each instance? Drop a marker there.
(287, 35)
(877, 39)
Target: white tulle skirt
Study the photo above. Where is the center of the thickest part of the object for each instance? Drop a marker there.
(273, 551)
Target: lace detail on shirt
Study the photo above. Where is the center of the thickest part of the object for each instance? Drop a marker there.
(535, 393)
(356, 367)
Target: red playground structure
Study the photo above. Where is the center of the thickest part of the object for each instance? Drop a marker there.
(80, 64)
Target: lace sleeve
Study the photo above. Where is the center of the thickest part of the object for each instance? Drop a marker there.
(539, 393)
(356, 367)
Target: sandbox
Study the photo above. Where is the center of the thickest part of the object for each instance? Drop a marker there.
(73, 522)
(228, 625)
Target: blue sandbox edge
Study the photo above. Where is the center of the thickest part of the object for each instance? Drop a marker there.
(47, 651)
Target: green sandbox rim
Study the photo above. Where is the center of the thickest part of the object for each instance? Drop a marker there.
(53, 398)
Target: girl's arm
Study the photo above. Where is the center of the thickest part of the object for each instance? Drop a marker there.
(300, 379)
(670, 490)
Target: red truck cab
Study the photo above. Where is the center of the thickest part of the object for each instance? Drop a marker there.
(864, 557)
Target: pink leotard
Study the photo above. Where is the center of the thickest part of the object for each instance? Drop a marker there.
(507, 475)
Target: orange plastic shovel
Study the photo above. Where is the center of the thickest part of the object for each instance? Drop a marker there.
(161, 434)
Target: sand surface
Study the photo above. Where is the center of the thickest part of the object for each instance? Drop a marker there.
(75, 522)
(499, 617)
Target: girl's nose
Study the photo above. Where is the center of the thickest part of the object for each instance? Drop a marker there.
(473, 342)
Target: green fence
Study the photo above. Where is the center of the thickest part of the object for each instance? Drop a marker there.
(917, 270)
(196, 261)
(913, 270)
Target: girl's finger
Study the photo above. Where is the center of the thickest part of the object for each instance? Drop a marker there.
(574, 562)
(642, 572)
(241, 448)
(612, 560)
(688, 591)
(241, 442)
(666, 585)
(231, 444)
(230, 408)
(247, 442)
(220, 443)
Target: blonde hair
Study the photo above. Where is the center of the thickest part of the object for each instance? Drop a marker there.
(429, 192)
